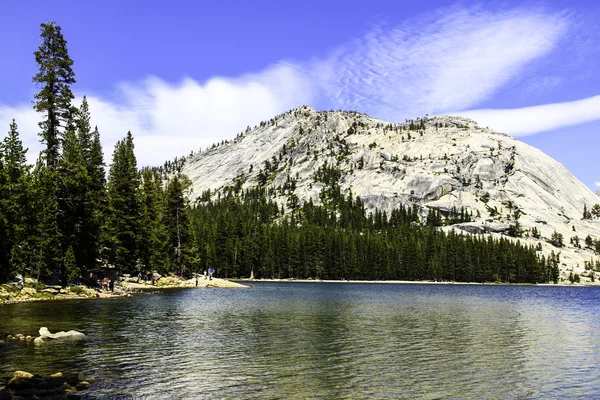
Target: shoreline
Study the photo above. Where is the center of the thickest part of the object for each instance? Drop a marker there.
(402, 282)
(128, 288)
(124, 288)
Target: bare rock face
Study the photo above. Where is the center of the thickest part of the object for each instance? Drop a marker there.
(441, 163)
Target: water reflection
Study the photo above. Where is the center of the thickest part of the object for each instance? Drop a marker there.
(324, 341)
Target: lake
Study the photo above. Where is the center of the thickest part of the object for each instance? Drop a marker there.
(323, 340)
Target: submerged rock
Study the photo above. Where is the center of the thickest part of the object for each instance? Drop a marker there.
(23, 384)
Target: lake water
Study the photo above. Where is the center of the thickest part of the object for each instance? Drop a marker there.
(323, 340)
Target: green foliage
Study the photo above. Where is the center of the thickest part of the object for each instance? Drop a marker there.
(55, 76)
(176, 222)
(246, 234)
(586, 214)
(15, 203)
(515, 230)
(124, 207)
(485, 197)
(556, 239)
(596, 211)
(436, 218)
(153, 237)
(574, 278)
(70, 266)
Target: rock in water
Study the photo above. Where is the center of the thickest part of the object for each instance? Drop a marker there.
(22, 374)
(46, 335)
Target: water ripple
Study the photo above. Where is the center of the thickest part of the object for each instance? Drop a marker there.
(324, 341)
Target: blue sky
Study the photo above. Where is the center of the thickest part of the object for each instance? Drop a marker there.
(184, 74)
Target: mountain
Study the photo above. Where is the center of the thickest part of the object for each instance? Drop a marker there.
(442, 163)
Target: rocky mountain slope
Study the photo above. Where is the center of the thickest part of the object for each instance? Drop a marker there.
(438, 163)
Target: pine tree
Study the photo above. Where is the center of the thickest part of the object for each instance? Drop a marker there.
(153, 238)
(124, 207)
(92, 207)
(5, 246)
(98, 201)
(45, 243)
(177, 223)
(15, 200)
(55, 75)
(71, 199)
(70, 265)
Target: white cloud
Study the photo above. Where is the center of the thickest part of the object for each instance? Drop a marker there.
(26, 119)
(597, 183)
(169, 120)
(449, 61)
(531, 120)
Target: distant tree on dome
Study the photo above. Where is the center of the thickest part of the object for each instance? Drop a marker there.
(556, 239)
(596, 210)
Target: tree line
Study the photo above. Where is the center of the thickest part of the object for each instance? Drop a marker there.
(246, 234)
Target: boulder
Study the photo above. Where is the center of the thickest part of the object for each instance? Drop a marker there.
(22, 374)
(83, 385)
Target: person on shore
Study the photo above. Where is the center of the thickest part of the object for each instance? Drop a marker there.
(204, 274)
(196, 280)
(105, 284)
(111, 285)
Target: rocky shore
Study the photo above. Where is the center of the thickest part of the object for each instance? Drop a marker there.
(10, 294)
(177, 282)
(58, 386)
(125, 286)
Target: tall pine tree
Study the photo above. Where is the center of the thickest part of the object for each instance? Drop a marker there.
(71, 200)
(15, 200)
(124, 207)
(55, 76)
(177, 223)
(92, 205)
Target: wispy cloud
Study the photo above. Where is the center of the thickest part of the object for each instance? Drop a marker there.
(449, 60)
(530, 120)
(446, 62)
(597, 183)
